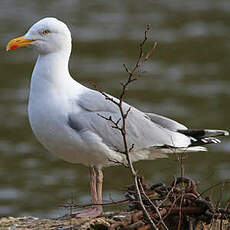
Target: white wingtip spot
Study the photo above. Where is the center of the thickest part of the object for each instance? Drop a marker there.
(226, 133)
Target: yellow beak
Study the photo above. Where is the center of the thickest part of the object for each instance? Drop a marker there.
(17, 43)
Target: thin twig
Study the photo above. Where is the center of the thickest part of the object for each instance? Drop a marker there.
(124, 115)
(180, 211)
(153, 205)
(73, 205)
(213, 186)
(168, 194)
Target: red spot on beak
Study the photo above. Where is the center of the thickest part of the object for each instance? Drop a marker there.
(13, 47)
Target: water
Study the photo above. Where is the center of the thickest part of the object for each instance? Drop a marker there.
(187, 80)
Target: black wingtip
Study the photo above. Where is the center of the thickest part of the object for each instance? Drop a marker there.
(202, 133)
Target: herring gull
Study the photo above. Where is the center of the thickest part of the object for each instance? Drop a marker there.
(64, 115)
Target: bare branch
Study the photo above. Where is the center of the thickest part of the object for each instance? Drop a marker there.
(131, 148)
(118, 162)
(127, 112)
(153, 205)
(150, 52)
(141, 59)
(115, 123)
(107, 97)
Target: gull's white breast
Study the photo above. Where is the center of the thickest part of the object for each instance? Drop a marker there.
(48, 111)
(49, 107)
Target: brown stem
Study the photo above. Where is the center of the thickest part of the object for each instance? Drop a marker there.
(124, 115)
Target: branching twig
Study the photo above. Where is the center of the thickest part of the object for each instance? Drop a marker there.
(141, 59)
(153, 205)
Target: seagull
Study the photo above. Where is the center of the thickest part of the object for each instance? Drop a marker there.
(67, 117)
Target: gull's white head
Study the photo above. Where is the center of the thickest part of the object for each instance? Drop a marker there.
(49, 35)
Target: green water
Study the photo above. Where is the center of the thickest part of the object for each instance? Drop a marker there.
(187, 79)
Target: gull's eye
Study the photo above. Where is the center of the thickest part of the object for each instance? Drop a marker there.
(45, 32)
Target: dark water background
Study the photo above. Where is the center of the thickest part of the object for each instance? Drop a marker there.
(187, 79)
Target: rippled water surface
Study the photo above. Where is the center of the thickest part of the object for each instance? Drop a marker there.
(187, 79)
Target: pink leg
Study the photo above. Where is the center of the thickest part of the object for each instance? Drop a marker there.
(96, 195)
(93, 185)
(99, 189)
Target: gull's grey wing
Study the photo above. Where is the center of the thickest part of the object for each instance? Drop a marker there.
(141, 130)
(194, 134)
(94, 101)
(144, 130)
(166, 122)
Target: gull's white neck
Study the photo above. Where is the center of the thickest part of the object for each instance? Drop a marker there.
(51, 78)
(52, 68)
